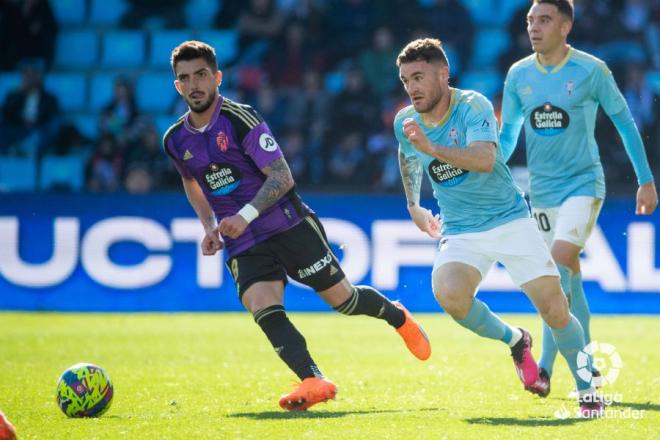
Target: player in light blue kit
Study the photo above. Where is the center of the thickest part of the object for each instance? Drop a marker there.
(451, 135)
(555, 93)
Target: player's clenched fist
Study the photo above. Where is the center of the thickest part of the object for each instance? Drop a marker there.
(233, 226)
(212, 242)
(417, 137)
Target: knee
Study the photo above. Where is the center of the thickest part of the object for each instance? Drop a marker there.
(452, 302)
(554, 310)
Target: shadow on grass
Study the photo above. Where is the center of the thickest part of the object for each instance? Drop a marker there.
(511, 421)
(321, 414)
(647, 406)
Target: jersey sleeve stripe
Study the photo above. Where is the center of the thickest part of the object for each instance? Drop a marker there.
(250, 120)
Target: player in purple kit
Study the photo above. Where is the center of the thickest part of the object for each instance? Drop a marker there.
(233, 170)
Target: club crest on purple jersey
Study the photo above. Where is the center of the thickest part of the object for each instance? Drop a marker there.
(222, 141)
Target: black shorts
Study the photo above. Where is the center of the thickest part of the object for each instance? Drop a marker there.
(301, 252)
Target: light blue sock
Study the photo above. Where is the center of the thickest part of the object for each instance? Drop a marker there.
(549, 351)
(485, 323)
(570, 340)
(579, 305)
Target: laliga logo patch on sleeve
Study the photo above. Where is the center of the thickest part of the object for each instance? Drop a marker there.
(267, 142)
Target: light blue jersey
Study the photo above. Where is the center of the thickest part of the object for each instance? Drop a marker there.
(469, 201)
(558, 106)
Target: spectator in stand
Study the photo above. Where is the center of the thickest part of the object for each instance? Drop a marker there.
(376, 63)
(262, 20)
(288, 57)
(106, 166)
(30, 115)
(354, 108)
(293, 148)
(119, 117)
(146, 154)
(37, 30)
(350, 24)
(452, 23)
(10, 28)
(347, 162)
(153, 14)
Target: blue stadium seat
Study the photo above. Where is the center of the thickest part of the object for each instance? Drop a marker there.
(335, 82)
(87, 124)
(488, 45)
(106, 12)
(18, 174)
(63, 171)
(197, 19)
(155, 92)
(8, 82)
(454, 60)
(162, 43)
(653, 79)
(101, 91)
(76, 49)
(123, 49)
(70, 90)
(486, 82)
(483, 11)
(225, 43)
(69, 12)
(163, 122)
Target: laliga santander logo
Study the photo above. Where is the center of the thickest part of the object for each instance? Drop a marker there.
(605, 359)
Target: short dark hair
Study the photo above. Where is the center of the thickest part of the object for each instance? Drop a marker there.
(191, 50)
(423, 49)
(565, 7)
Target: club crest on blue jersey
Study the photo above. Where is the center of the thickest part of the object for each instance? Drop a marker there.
(445, 174)
(222, 179)
(570, 87)
(548, 120)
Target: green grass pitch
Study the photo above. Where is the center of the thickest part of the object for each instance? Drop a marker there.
(213, 376)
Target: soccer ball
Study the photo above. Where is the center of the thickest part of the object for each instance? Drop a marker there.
(84, 390)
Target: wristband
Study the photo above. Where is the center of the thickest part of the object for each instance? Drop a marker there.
(249, 213)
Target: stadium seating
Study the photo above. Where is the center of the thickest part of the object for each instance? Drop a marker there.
(69, 12)
(63, 172)
(653, 80)
(8, 82)
(194, 19)
(155, 92)
(87, 124)
(18, 174)
(225, 43)
(106, 13)
(70, 90)
(162, 43)
(486, 82)
(101, 90)
(488, 45)
(76, 49)
(123, 49)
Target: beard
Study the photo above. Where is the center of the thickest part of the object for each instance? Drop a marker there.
(202, 106)
(431, 103)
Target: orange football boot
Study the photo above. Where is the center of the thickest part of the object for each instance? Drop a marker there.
(311, 391)
(413, 335)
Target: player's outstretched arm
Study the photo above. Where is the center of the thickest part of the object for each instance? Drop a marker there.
(411, 175)
(211, 243)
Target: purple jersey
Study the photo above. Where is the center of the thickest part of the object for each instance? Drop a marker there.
(226, 160)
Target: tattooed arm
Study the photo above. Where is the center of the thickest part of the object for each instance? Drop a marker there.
(411, 175)
(278, 182)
